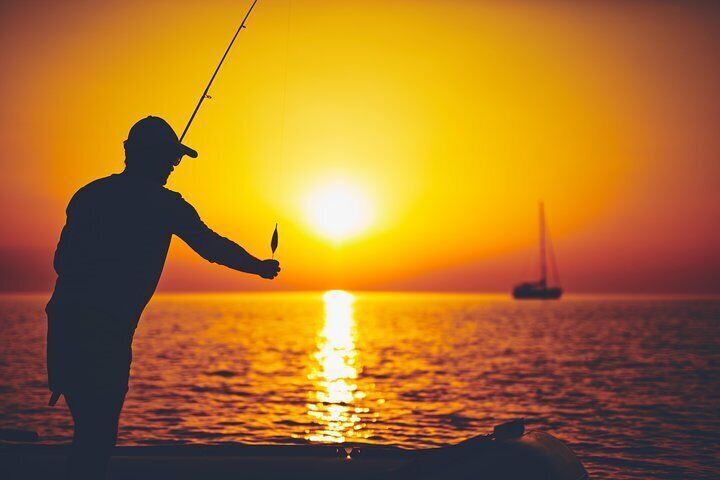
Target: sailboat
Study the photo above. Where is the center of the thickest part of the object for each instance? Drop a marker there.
(540, 290)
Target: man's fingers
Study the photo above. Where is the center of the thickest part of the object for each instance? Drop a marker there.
(271, 269)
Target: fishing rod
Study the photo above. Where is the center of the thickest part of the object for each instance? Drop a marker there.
(217, 69)
(274, 239)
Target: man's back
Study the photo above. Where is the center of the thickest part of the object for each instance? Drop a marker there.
(114, 244)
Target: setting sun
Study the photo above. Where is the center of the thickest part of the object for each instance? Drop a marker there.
(338, 210)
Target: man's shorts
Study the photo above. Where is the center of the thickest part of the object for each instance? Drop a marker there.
(87, 349)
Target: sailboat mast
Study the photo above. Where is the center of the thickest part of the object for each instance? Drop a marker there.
(543, 260)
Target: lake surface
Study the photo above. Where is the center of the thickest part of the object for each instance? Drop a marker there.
(632, 384)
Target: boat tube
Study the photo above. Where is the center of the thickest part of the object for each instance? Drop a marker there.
(507, 454)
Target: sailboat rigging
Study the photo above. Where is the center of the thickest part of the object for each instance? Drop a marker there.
(541, 290)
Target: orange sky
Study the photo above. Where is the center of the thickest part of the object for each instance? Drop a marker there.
(451, 119)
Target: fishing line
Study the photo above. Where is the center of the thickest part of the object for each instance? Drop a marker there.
(205, 94)
(285, 84)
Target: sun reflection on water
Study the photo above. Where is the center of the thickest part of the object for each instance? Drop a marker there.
(333, 407)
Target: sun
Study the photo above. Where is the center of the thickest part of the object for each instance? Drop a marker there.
(338, 210)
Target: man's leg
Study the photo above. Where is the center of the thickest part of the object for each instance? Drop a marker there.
(95, 415)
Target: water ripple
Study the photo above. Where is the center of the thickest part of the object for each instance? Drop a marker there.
(631, 384)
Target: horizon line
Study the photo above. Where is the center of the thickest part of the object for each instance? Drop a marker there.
(399, 291)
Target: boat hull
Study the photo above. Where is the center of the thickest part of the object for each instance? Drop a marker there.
(536, 455)
(523, 292)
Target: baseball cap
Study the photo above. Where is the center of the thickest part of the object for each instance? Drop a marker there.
(154, 132)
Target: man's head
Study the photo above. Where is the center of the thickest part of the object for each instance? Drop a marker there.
(152, 149)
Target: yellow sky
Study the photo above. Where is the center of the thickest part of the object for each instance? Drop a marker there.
(451, 118)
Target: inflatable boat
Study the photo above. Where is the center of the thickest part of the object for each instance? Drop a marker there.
(508, 453)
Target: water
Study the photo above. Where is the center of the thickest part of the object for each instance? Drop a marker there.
(632, 384)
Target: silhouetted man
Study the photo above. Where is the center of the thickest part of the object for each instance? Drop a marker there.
(109, 259)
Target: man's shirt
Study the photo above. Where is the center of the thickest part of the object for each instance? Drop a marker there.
(113, 247)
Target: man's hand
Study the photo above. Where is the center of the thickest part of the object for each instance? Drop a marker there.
(268, 269)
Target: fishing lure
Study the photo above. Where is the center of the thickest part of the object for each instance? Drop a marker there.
(274, 241)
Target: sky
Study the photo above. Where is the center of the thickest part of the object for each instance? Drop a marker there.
(399, 145)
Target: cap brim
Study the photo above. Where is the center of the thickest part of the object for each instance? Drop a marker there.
(185, 150)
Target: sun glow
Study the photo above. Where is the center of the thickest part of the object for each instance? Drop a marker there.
(338, 210)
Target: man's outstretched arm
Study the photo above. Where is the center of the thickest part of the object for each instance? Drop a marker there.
(216, 248)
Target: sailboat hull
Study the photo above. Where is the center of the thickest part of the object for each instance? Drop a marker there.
(533, 292)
